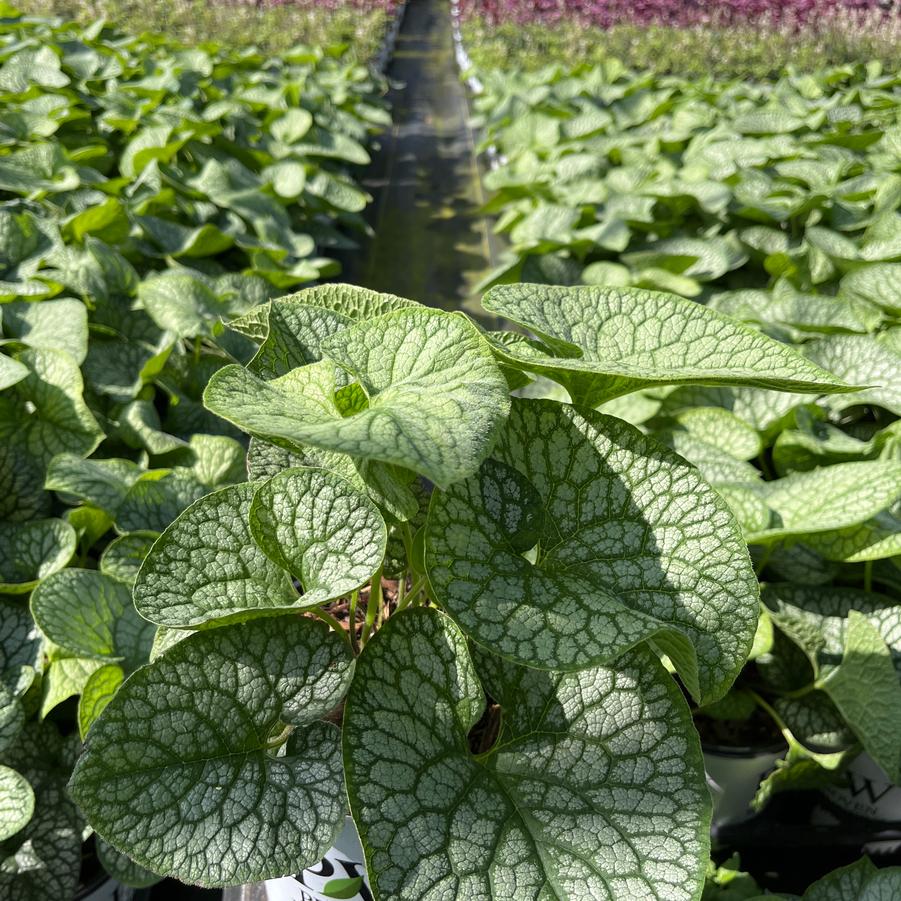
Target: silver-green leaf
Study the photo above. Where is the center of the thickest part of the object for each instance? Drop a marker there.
(92, 615)
(31, 551)
(316, 525)
(826, 499)
(582, 538)
(429, 396)
(604, 342)
(595, 787)
(181, 770)
(16, 802)
(206, 568)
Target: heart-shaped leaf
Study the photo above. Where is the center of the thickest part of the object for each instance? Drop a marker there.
(21, 647)
(97, 692)
(861, 360)
(595, 787)
(298, 324)
(879, 284)
(92, 615)
(824, 499)
(865, 688)
(581, 538)
(42, 859)
(52, 417)
(876, 539)
(122, 557)
(207, 569)
(328, 535)
(296, 331)
(53, 324)
(187, 306)
(122, 868)
(604, 342)
(432, 397)
(861, 881)
(31, 551)
(16, 802)
(197, 790)
(815, 618)
(101, 483)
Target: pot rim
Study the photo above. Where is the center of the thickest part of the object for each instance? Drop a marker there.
(743, 750)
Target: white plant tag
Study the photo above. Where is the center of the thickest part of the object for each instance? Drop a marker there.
(343, 861)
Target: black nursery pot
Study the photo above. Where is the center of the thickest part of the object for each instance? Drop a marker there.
(800, 836)
(102, 887)
(867, 804)
(344, 860)
(95, 884)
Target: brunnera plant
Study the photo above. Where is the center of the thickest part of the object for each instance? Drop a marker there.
(554, 568)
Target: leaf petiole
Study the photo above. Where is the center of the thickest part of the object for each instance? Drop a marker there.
(373, 603)
(335, 625)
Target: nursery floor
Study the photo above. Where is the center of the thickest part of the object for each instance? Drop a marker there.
(430, 242)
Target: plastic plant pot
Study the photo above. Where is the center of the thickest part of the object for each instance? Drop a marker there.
(733, 776)
(105, 888)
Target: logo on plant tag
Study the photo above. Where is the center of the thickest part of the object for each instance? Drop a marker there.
(341, 874)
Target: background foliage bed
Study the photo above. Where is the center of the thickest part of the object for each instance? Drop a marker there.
(739, 38)
(356, 26)
(221, 510)
(148, 190)
(777, 203)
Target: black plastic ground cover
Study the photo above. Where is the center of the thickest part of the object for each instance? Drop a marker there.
(429, 241)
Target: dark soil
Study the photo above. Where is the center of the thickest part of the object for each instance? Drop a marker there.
(757, 732)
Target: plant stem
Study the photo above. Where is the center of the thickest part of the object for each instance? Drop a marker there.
(372, 607)
(328, 618)
(417, 594)
(408, 597)
(401, 591)
(799, 692)
(279, 739)
(780, 725)
(765, 467)
(354, 599)
(407, 538)
(868, 576)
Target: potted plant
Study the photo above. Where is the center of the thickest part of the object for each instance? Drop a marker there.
(816, 687)
(500, 714)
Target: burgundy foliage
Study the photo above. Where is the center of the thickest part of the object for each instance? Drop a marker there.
(320, 4)
(684, 13)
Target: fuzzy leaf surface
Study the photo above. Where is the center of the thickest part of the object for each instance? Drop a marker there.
(434, 396)
(16, 802)
(865, 688)
(825, 499)
(92, 615)
(32, 551)
(629, 544)
(316, 525)
(206, 567)
(605, 342)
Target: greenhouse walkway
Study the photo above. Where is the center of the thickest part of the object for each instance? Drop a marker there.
(430, 242)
